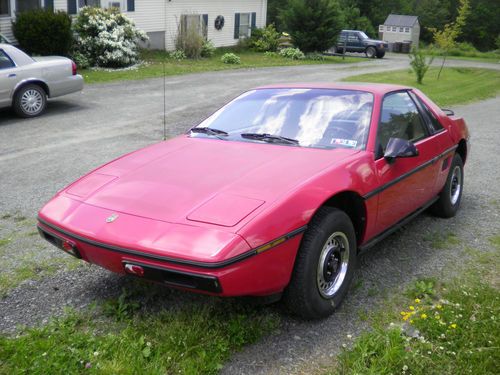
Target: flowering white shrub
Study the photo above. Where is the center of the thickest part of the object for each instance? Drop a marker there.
(107, 38)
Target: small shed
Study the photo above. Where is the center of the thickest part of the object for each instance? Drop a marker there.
(400, 28)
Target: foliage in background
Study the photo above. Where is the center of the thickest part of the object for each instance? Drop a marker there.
(353, 20)
(207, 49)
(314, 25)
(292, 53)
(230, 58)
(177, 55)
(482, 24)
(446, 38)
(43, 32)
(107, 37)
(419, 63)
(265, 39)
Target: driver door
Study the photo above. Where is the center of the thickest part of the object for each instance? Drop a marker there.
(406, 184)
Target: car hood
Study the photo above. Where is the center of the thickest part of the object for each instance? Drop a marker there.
(200, 181)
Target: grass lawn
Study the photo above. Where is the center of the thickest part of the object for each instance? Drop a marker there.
(437, 328)
(117, 338)
(455, 86)
(153, 65)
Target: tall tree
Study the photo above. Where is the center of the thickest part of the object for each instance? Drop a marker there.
(314, 25)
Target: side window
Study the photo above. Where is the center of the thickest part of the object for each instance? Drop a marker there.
(399, 119)
(433, 121)
(352, 38)
(342, 37)
(5, 61)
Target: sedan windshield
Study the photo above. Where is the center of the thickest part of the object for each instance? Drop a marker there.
(322, 118)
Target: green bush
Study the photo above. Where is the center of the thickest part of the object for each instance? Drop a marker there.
(315, 56)
(292, 53)
(177, 55)
(207, 49)
(230, 58)
(419, 63)
(313, 24)
(80, 60)
(43, 32)
(266, 39)
(191, 42)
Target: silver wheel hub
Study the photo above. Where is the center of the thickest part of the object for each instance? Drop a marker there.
(332, 264)
(31, 101)
(456, 185)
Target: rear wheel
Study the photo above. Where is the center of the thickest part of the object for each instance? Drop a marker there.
(30, 101)
(450, 197)
(371, 52)
(324, 266)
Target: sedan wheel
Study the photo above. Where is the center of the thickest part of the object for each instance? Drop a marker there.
(30, 101)
(324, 266)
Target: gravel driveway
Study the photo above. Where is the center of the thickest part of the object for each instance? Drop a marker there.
(80, 132)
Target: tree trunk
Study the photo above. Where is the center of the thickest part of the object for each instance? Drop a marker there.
(442, 64)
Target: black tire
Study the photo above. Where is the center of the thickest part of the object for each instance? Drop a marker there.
(304, 296)
(38, 104)
(380, 54)
(371, 52)
(449, 198)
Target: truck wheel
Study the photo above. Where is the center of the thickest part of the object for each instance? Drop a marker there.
(30, 101)
(324, 266)
(449, 198)
(380, 54)
(371, 52)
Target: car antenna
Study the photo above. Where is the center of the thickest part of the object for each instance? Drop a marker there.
(165, 78)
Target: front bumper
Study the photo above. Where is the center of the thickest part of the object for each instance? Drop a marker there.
(265, 271)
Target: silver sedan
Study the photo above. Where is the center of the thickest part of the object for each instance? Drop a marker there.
(26, 82)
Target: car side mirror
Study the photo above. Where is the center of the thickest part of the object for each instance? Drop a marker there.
(399, 148)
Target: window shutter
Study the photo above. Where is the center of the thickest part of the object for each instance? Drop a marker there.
(72, 6)
(236, 26)
(254, 19)
(49, 4)
(205, 20)
(130, 5)
(205, 26)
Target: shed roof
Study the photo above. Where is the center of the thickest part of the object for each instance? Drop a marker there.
(400, 20)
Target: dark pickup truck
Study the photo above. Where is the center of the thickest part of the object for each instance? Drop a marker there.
(358, 41)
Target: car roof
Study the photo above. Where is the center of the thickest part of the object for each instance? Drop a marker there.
(375, 88)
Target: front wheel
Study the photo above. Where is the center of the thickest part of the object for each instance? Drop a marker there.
(450, 197)
(371, 52)
(324, 266)
(380, 55)
(30, 101)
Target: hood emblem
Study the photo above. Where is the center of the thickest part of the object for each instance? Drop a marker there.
(111, 218)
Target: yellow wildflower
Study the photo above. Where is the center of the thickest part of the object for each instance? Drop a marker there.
(412, 308)
(453, 325)
(417, 300)
(423, 316)
(439, 307)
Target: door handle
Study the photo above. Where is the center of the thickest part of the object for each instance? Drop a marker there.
(12, 75)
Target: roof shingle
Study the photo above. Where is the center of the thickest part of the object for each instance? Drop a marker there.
(400, 20)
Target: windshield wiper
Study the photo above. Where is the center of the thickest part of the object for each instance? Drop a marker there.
(269, 138)
(210, 131)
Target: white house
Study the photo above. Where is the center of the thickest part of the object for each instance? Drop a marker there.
(400, 28)
(223, 22)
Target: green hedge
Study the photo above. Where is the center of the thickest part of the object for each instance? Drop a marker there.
(44, 32)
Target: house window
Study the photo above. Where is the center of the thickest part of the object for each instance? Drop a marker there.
(25, 5)
(401, 29)
(407, 29)
(92, 3)
(394, 28)
(388, 28)
(193, 23)
(245, 25)
(4, 8)
(381, 28)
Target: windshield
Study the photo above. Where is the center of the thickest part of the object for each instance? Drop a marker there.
(363, 35)
(320, 118)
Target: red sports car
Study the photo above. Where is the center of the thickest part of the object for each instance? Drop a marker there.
(275, 194)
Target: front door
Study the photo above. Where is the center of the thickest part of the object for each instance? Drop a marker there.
(406, 184)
